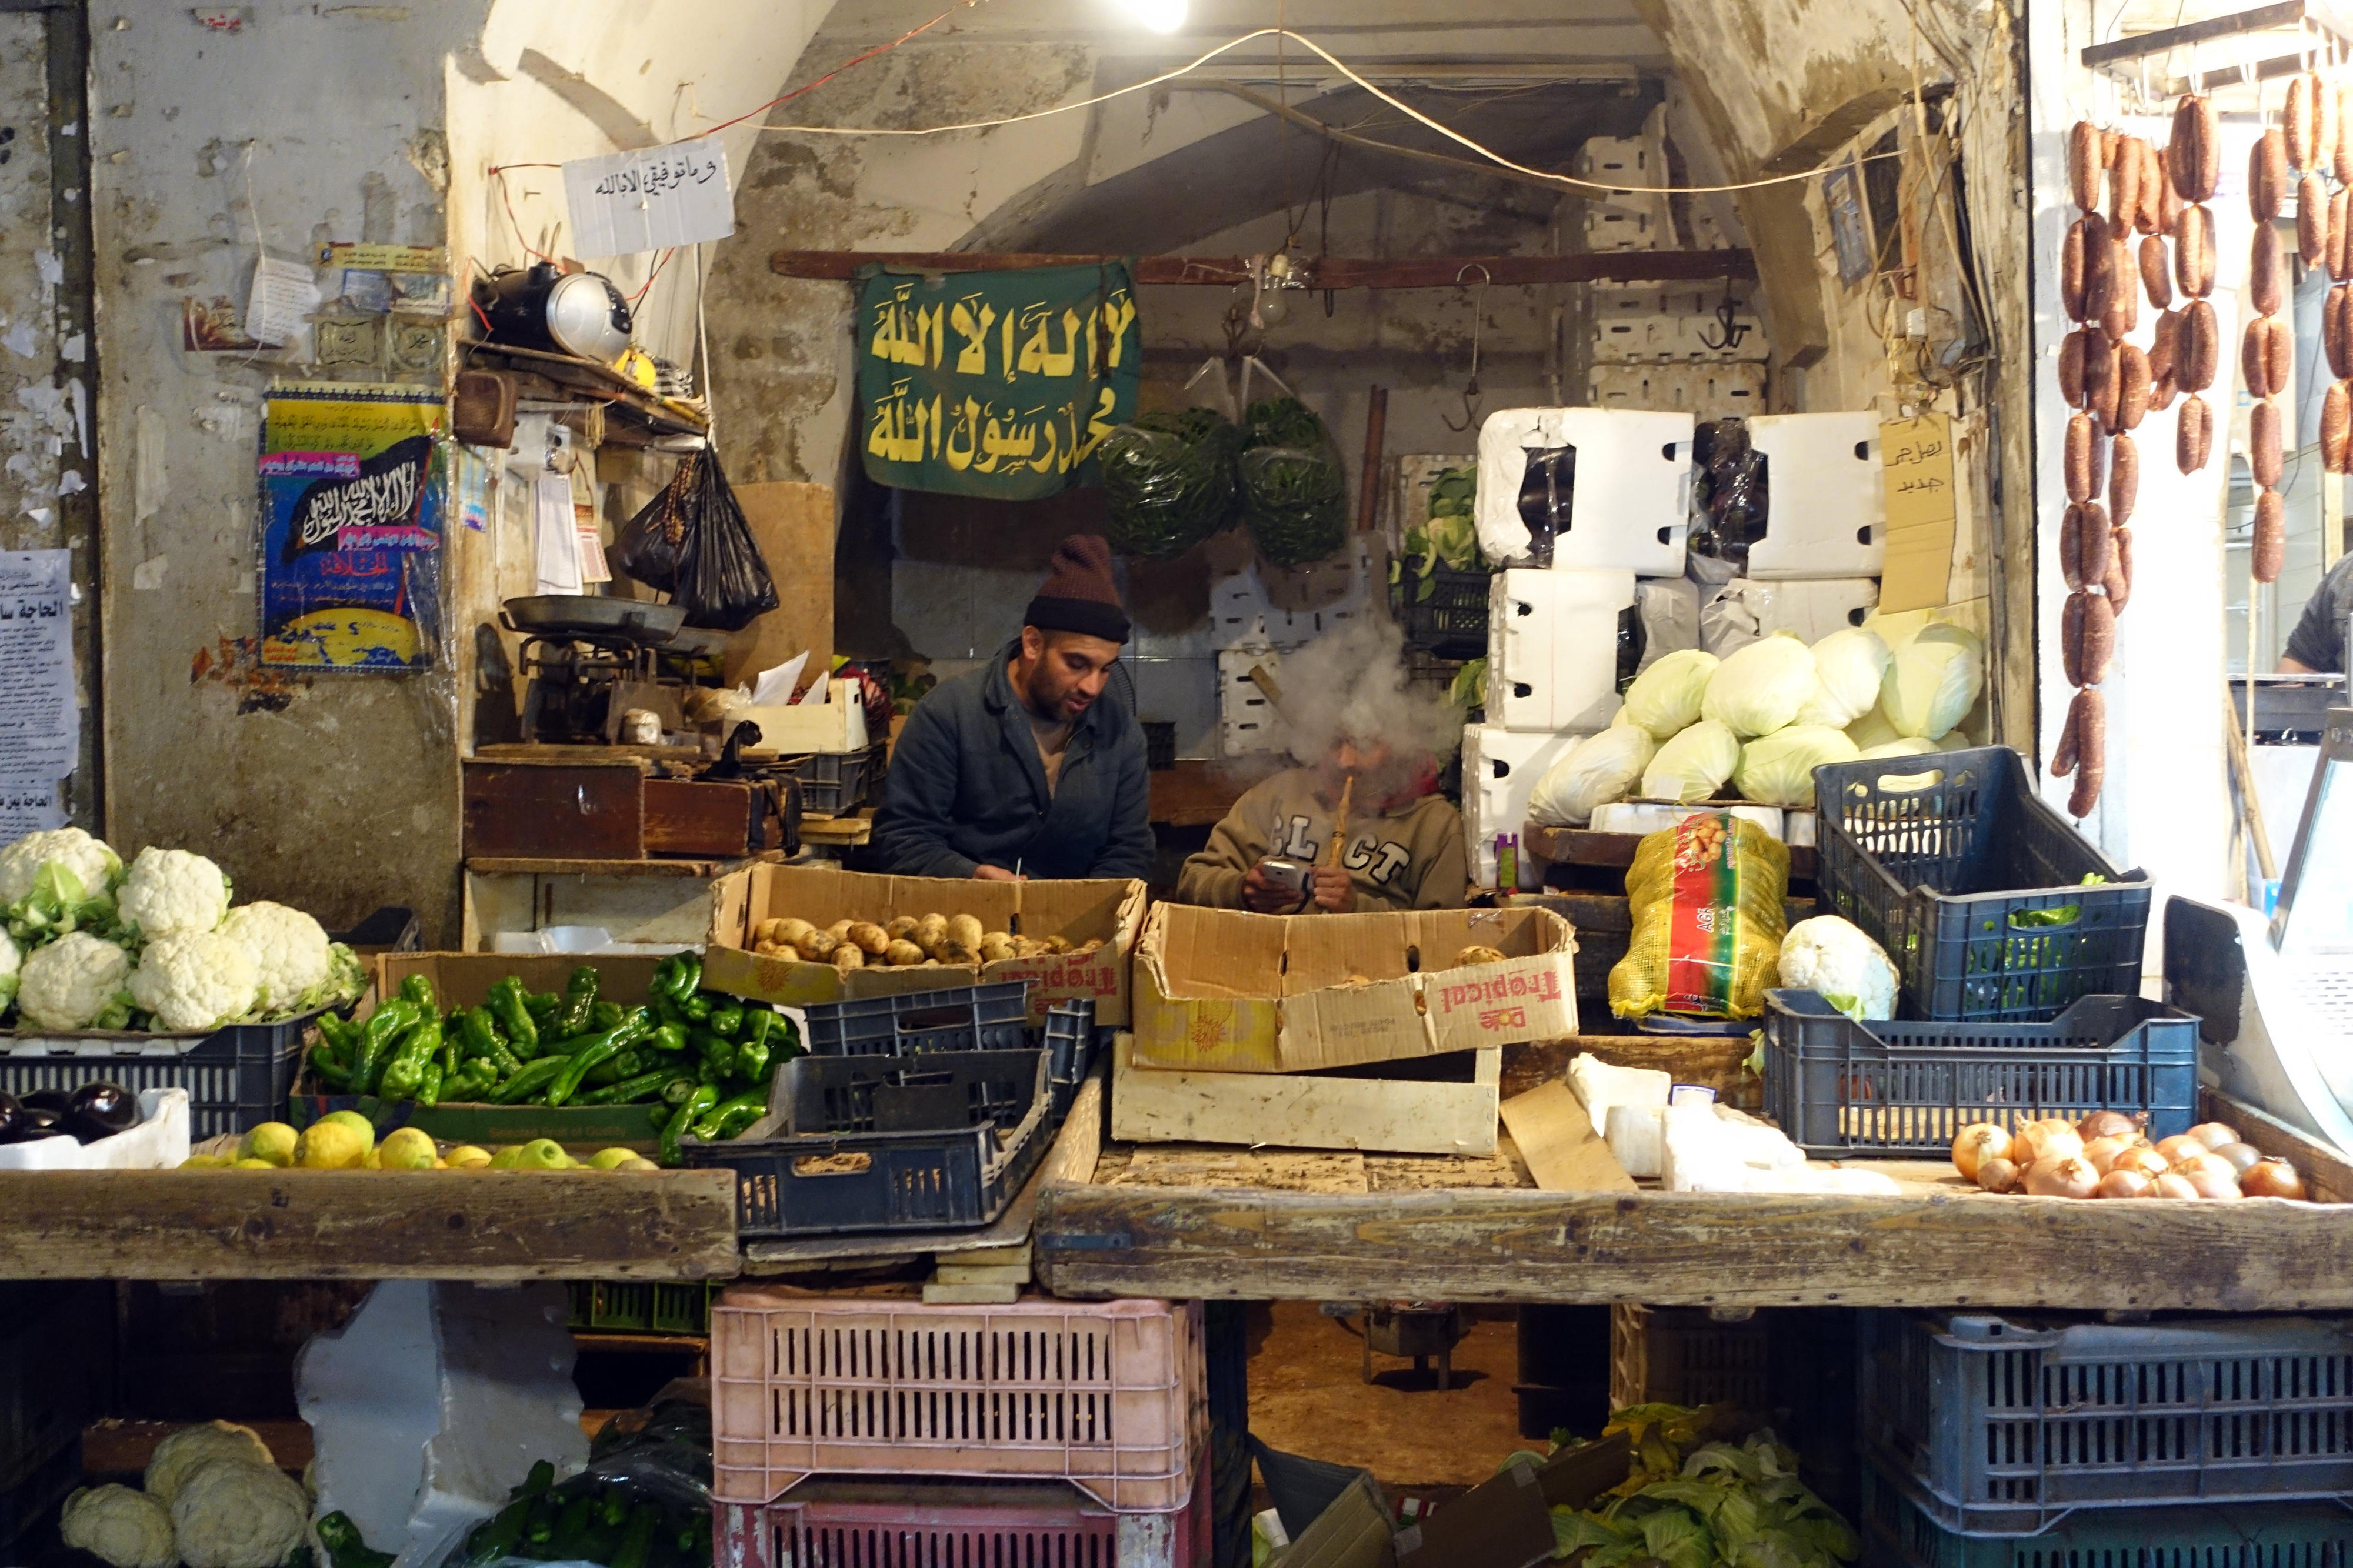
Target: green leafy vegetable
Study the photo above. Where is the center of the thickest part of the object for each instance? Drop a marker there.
(1467, 690)
(1721, 1505)
(1168, 482)
(1293, 490)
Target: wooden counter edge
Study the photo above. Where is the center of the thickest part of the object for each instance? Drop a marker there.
(365, 1224)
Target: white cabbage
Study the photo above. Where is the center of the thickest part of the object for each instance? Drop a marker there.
(1760, 689)
(1665, 698)
(1597, 769)
(1933, 680)
(1851, 664)
(1779, 769)
(1691, 766)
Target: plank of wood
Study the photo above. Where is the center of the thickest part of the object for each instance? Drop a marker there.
(1920, 1249)
(941, 1294)
(2328, 1174)
(341, 1225)
(843, 830)
(1615, 852)
(1295, 1111)
(1198, 794)
(1257, 1170)
(591, 812)
(541, 753)
(691, 816)
(981, 1274)
(1324, 271)
(1557, 1139)
(541, 865)
(1720, 1065)
(1072, 1159)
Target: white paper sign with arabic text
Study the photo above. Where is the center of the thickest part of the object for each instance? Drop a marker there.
(632, 202)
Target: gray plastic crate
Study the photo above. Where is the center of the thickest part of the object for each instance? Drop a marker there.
(959, 1018)
(2005, 1427)
(236, 1078)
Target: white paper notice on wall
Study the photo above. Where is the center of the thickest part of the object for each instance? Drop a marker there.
(631, 202)
(30, 809)
(40, 726)
(284, 295)
(557, 546)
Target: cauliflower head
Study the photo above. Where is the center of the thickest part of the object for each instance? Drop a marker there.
(178, 1455)
(120, 1524)
(1834, 957)
(172, 890)
(12, 963)
(289, 949)
(78, 982)
(196, 980)
(230, 1513)
(88, 859)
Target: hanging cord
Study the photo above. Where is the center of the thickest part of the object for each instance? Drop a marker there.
(1471, 393)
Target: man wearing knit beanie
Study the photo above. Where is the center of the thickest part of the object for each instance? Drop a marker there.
(1021, 768)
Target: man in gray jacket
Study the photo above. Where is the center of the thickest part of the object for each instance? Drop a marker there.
(1018, 768)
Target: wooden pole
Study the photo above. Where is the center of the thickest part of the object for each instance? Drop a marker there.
(1369, 495)
(1316, 272)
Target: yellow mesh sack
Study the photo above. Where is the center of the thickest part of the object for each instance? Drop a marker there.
(1707, 916)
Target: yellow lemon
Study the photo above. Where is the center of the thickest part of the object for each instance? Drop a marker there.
(405, 1149)
(608, 1159)
(357, 1123)
(255, 1165)
(507, 1159)
(200, 1163)
(467, 1157)
(329, 1145)
(272, 1142)
(542, 1154)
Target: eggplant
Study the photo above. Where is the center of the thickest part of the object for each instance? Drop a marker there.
(57, 1100)
(106, 1105)
(12, 1115)
(85, 1129)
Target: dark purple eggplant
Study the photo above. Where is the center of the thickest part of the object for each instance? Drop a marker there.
(12, 1115)
(106, 1105)
(57, 1100)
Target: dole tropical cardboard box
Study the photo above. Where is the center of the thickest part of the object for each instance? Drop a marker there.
(1223, 991)
(1078, 912)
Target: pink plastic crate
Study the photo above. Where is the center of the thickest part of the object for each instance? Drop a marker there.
(1104, 1394)
(946, 1524)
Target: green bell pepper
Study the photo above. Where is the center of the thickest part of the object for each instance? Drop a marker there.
(340, 1033)
(685, 978)
(596, 1049)
(429, 1084)
(478, 1031)
(729, 1117)
(718, 1054)
(341, 1539)
(628, 1091)
(472, 1083)
(507, 1009)
(406, 1070)
(698, 1008)
(377, 1038)
(536, 1076)
(331, 1067)
(751, 1063)
(669, 1037)
(578, 1013)
(419, 988)
(679, 1088)
(605, 1017)
(727, 1022)
(695, 1107)
(543, 1004)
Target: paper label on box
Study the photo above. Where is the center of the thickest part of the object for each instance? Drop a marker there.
(1502, 1004)
(1061, 978)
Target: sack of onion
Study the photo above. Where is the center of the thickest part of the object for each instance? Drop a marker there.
(2107, 1155)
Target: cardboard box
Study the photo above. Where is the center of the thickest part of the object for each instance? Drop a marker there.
(1223, 991)
(1079, 911)
(1444, 1105)
(837, 724)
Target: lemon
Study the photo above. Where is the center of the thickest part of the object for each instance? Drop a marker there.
(542, 1154)
(357, 1123)
(507, 1159)
(329, 1145)
(636, 1163)
(255, 1165)
(405, 1149)
(467, 1157)
(271, 1142)
(372, 1160)
(200, 1163)
(611, 1159)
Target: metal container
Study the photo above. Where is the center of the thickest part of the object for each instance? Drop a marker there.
(568, 312)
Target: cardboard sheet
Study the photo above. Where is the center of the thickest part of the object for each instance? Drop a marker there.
(1558, 1139)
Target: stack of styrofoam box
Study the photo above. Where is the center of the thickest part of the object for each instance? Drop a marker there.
(1247, 627)
(1552, 632)
(1826, 522)
(1634, 218)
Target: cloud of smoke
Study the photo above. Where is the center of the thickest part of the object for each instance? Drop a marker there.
(1351, 682)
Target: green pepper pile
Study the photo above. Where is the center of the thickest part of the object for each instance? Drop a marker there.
(703, 1059)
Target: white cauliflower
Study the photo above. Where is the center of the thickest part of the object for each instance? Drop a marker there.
(232, 1514)
(78, 982)
(289, 950)
(122, 1525)
(88, 859)
(170, 892)
(193, 981)
(12, 960)
(1834, 957)
(177, 1456)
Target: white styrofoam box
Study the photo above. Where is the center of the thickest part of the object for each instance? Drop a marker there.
(1242, 610)
(1610, 228)
(1828, 512)
(432, 1403)
(1607, 304)
(159, 1141)
(1552, 647)
(1744, 610)
(1248, 723)
(1802, 829)
(1657, 817)
(1706, 390)
(1607, 160)
(1667, 337)
(1631, 503)
(1500, 769)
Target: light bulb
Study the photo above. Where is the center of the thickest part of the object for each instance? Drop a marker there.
(1159, 16)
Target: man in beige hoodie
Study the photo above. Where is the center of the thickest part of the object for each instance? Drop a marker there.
(1403, 849)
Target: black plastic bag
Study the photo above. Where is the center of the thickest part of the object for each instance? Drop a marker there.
(692, 543)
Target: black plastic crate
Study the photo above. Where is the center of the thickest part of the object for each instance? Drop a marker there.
(1160, 744)
(1451, 621)
(1068, 1038)
(236, 1078)
(835, 784)
(391, 929)
(959, 1018)
(1899, 1089)
(808, 1180)
(1950, 878)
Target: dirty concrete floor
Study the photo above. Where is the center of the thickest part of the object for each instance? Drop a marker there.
(1306, 1396)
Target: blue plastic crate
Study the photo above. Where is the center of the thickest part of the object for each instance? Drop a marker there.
(2006, 1426)
(236, 1078)
(1895, 1089)
(957, 1018)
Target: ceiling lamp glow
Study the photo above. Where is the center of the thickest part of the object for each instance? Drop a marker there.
(1160, 15)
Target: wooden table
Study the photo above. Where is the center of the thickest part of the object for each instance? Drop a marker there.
(1198, 794)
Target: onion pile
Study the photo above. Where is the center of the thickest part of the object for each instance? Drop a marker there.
(2108, 1154)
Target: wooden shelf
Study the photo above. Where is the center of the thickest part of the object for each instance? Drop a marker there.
(1615, 852)
(360, 1224)
(508, 866)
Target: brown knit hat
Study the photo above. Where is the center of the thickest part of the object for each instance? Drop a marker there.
(1079, 594)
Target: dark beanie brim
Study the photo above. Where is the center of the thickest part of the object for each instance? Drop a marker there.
(1089, 617)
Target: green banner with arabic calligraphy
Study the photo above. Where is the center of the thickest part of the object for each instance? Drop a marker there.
(995, 384)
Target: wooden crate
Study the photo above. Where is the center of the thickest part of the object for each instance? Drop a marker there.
(579, 810)
(1392, 1114)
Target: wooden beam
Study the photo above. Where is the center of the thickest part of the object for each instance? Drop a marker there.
(1697, 1250)
(367, 1224)
(1321, 272)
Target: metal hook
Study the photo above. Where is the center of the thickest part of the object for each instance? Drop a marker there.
(1728, 318)
(1470, 392)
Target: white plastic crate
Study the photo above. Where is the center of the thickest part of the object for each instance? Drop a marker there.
(1248, 724)
(1608, 227)
(1500, 769)
(1631, 500)
(1828, 512)
(1242, 609)
(1704, 389)
(1811, 609)
(1552, 648)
